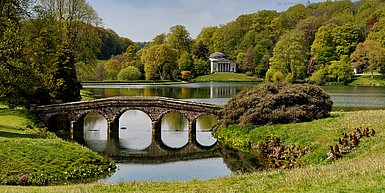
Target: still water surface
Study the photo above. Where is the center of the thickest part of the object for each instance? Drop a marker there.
(135, 133)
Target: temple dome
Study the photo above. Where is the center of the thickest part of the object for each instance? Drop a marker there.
(217, 55)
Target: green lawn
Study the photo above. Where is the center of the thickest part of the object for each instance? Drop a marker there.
(366, 80)
(31, 155)
(226, 77)
(363, 170)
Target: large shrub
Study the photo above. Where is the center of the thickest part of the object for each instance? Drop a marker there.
(271, 103)
(129, 73)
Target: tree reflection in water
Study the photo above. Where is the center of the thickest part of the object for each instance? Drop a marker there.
(204, 128)
(174, 130)
(95, 131)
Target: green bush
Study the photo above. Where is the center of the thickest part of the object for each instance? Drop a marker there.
(272, 103)
(129, 73)
(249, 73)
(278, 76)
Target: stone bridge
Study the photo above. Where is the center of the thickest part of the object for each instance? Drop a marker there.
(113, 108)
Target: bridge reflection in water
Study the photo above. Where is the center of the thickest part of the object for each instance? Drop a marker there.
(135, 142)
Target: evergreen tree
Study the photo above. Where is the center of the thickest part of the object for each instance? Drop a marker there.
(66, 86)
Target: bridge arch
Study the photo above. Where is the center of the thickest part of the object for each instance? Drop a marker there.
(58, 122)
(135, 130)
(120, 111)
(205, 125)
(175, 130)
(78, 117)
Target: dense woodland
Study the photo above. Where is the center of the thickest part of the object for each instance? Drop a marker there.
(48, 46)
(319, 43)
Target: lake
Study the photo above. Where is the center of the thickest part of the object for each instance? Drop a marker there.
(135, 129)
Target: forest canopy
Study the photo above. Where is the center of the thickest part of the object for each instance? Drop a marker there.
(318, 43)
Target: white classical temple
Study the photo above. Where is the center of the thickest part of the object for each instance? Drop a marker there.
(219, 63)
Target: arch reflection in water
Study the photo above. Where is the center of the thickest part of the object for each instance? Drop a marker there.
(204, 128)
(60, 125)
(95, 131)
(174, 130)
(135, 130)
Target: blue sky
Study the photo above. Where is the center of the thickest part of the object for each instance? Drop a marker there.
(142, 20)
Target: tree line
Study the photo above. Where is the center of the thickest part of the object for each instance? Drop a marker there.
(319, 43)
(45, 45)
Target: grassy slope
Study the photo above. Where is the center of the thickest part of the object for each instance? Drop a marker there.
(225, 77)
(28, 152)
(361, 171)
(366, 80)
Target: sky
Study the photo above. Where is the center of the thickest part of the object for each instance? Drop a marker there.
(142, 20)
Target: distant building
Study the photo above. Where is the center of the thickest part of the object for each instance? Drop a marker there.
(219, 63)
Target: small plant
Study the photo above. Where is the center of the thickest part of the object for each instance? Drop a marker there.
(278, 155)
(348, 143)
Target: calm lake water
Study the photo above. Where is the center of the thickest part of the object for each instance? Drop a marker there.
(133, 144)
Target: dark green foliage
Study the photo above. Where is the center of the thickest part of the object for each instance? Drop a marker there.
(111, 44)
(66, 86)
(201, 51)
(19, 84)
(272, 103)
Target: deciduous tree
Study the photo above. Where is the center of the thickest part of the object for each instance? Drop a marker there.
(290, 56)
(369, 54)
(159, 60)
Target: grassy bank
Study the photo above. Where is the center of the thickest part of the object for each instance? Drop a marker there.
(363, 170)
(367, 80)
(32, 156)
(226, 77)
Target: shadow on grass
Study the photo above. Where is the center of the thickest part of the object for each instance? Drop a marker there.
(17, 135)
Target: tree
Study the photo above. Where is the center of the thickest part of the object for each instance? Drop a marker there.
(323, 41)
(179, 38)
(159, 60)
(129, 73)
(340, 71)
(290, 56)
(185, 62)
(205, 36)
(377, 33)
(200, 50)
(201, 67)
(131, 57)
(66, 86)
(248, 61)
(346, 38)
(19, 84)
(74, 17)
(159, 39)
(369, 54)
